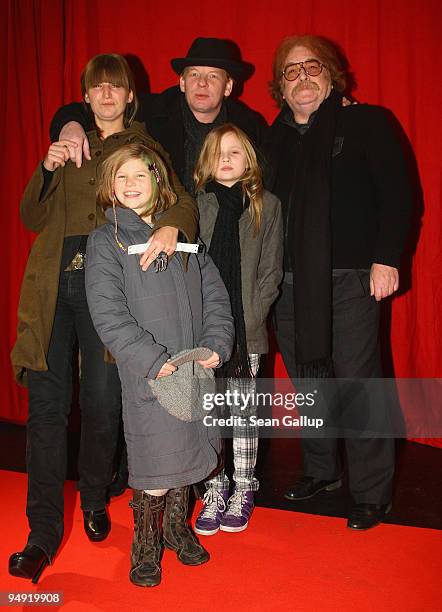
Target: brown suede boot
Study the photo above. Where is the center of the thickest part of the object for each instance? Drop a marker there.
(146, 546)
(178, 535)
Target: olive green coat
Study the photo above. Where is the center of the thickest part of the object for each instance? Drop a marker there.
(39, 288)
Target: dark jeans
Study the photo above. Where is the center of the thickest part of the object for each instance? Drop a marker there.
(50, 397)
(355, 355)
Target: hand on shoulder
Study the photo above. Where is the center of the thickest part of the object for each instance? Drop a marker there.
(74, 134)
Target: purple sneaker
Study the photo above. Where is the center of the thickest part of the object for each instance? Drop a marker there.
(209, 518)
(239, 508)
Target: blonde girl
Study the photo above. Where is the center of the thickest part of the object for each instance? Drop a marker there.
(241, 226)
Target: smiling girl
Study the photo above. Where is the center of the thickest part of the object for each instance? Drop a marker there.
(144, 318)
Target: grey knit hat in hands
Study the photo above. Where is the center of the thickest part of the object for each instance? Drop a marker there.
(182, 393)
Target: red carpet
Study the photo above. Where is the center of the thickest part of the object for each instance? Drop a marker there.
(285, 560)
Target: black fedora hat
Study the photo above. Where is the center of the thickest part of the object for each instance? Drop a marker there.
(215, 52)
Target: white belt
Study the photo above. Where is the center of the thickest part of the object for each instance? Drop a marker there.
(182, 247)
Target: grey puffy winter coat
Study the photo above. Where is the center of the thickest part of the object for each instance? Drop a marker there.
(143, 318)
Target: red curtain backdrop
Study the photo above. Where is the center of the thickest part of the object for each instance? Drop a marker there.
(394, 50)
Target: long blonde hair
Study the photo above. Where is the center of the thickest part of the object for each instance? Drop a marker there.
(252, 178)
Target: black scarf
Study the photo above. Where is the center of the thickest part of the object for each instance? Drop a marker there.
(225, 251)
(195, 135)
(309, 225)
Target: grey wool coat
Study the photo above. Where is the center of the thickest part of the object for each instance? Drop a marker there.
(261, 262)
(143, 318)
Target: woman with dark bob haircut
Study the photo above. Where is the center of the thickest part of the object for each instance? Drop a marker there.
(60, 204)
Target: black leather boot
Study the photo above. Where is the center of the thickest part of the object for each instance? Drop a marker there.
(178, 535)
(28, 563)
(146, 546)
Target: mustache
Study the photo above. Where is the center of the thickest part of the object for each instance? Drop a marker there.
(305, 85)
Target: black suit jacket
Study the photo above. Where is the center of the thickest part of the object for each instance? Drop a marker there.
(371, 196)
(163, 118)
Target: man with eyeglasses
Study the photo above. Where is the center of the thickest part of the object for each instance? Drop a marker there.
(181, 117)
(340, 175)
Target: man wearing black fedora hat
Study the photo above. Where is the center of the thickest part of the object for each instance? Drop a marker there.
(181, 117)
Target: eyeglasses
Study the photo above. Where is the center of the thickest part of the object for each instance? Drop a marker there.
(311, 67)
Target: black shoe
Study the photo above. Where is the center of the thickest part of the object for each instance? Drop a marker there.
(366, 516)
(29, 563)
(96, 524)
(308, 487)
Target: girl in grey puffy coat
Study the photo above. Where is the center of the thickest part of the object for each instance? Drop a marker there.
(241, 226)
(143, 318)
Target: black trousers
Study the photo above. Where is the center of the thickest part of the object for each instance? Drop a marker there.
(355, 354)
(50, 397)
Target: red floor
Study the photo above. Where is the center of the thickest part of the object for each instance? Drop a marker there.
(285, 560)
